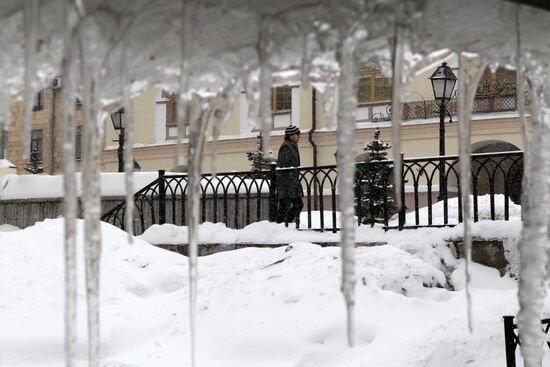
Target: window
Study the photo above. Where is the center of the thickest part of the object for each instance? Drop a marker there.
(78, 143)
(36, 146)
(170, 101)
(501, 82)
(373, 86)
(171, 110)
(281, 99)
(39, 100)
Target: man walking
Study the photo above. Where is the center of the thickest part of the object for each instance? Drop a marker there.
(289, 189)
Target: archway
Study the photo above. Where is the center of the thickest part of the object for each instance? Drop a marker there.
(497, 173)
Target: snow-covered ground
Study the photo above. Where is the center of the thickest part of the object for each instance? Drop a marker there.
(259, 306)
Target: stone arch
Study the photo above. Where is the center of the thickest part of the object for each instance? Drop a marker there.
(514, 170)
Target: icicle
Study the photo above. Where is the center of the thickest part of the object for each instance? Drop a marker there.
(69, 191)
(264, 49)
(534, 234)
(347, 104)
(129, 144)
(520, 87)
(223, 108)
(397, 65)
(187, 29)
(32, 21)
(196, 150)
(215, 136)
(471, 69)
(307, 54)
(253, 98)
(91, 197)
(330, 95)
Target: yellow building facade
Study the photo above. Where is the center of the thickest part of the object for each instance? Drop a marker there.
(155, 129)
(496, 125)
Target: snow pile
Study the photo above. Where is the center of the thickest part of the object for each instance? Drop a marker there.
(483, 208)
(137, 283)
(258, 306)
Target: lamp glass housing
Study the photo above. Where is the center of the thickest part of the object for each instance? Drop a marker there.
(119, 119)
(443, 82)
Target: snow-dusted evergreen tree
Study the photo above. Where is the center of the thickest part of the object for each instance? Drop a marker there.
(33, 166)
(375, 183)
(258, 158)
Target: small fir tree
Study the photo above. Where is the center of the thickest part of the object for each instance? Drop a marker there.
(34, 164)
(375, 184)
(259, 162)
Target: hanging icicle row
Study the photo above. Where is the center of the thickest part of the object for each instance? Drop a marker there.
(471, 70)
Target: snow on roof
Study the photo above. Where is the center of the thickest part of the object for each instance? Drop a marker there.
(43, 186)
(4, 163)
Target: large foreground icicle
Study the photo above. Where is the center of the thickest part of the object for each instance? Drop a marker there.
(397, 65)
(347, 103)
(471, 69)
(264, 49)
(196, 150)
(69, 190)
(534, 234)
(187, 33)
(32, 21)
(91, 199)
(129, 145)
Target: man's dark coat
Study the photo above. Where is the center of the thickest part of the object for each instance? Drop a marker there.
(288, 183)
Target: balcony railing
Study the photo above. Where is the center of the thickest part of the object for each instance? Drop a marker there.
(490, 97)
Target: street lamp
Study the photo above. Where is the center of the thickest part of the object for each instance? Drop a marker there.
(443, 83)
(119, 123)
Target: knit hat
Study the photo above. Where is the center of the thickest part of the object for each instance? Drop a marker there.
(291, 130)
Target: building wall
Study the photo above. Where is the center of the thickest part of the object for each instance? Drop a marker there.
(153, 151)
(40, 121)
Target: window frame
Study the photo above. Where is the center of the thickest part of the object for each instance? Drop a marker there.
(372, 74)
(39, 141)
(171, 121)
(38, 102)
(275, 93)
(78, 143)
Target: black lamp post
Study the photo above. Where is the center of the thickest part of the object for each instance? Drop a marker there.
(119, 123)
(443, 83)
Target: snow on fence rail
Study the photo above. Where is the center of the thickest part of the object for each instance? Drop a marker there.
(432, 199)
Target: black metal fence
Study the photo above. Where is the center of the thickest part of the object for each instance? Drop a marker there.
(512, 340)
(240, 198)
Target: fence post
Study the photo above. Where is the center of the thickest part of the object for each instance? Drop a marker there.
(402, 210)
(273, 207)
(509, 342)
(162, 197)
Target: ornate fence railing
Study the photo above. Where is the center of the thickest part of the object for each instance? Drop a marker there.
(512, 340)
(490, 97)
(240, 198)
